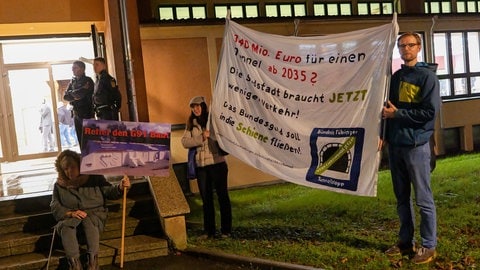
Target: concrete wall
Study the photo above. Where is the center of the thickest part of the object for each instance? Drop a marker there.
(29, 11)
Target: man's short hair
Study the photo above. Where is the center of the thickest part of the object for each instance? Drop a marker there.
(100, 59)
(79, 64)
(411, 34)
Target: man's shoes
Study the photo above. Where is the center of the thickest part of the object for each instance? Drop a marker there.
(203, 237)
(206, 236)
(400, 249)
(424, 255)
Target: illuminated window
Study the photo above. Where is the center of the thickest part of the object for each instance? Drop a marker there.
(166, 13)
(319, 10)
(345, 9)
(375, 8)
(466, 6)
(285, 10)
(237, 11)
(221, 11)
(198, 12)
(437, 7)
(458, 58)
(332, 9)
(43, 50)
(251, 11)
(299, 10)
(182, 12)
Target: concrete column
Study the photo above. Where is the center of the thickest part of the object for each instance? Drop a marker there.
(466, 138)
(172, 207)
(175, 228)
(412, 7)
(145, 11)
(117, 59)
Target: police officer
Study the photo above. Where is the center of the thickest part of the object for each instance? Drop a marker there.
(106, 98)
(79, 92)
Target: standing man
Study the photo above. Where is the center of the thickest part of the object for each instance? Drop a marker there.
(410, 113)
(106, 96)
(79, 93)
(65, 121)
(46, 127)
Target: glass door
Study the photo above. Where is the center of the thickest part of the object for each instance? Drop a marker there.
(31, 92)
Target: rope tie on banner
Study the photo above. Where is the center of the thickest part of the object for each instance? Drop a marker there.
(296, 22)
(434, 20)
(396, 7)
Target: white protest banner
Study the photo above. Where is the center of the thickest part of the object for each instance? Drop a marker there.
(305, 109)
(125, 148)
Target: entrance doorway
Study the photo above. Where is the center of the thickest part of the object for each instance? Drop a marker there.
(36, 75)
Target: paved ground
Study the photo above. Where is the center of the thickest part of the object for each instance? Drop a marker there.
(177, 262)
(203, 259)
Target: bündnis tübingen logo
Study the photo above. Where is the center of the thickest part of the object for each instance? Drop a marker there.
(336, 157)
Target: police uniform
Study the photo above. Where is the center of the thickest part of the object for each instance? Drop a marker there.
(79, 93)
(103, 106)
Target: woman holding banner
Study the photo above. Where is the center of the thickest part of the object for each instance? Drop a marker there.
(211, 169)
(79, 201)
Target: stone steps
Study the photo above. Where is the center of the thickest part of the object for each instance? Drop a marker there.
(136, 248)
(26, 231)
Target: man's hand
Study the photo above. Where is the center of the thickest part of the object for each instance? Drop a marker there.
(389, 110)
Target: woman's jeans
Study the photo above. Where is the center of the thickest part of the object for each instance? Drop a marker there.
(209, 178)
(411, 166)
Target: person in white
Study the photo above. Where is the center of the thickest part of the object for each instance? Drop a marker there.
(46, 127)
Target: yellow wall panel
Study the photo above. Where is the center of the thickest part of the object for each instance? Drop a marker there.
(28, 11)
(175, 70)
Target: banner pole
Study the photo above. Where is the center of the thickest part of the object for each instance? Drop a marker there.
(122, 244)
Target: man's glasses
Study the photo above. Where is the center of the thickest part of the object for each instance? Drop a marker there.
(409, 45)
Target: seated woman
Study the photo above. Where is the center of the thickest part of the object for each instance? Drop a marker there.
(78, 201)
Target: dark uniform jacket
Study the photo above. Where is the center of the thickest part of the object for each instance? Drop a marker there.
(79, 93)
(106, 98)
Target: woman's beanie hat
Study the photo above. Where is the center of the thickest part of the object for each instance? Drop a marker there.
(197, 100)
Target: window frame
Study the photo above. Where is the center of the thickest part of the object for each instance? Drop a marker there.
(379, 2)
(324, 5)
(279, 6)
(451, 76)
(175, 14)
(429, 4)
(242, 5)
(466, 6)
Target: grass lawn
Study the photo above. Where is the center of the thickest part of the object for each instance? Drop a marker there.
(300, 225)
